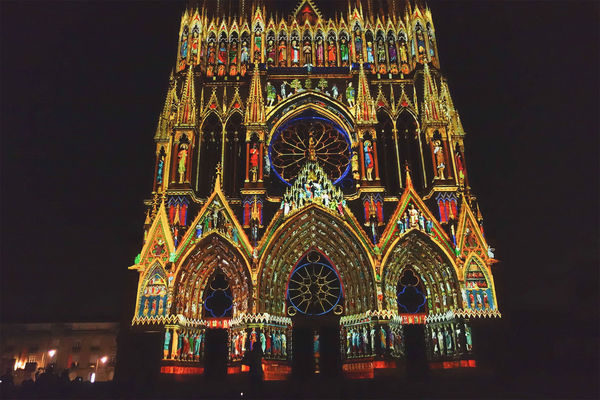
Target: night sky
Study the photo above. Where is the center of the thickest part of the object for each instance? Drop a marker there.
(82, 85)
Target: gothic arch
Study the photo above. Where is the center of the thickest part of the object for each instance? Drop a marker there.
(313, 228)
(319, 103)
(211, 132)
(389, 165)
(198, 266)
(432, 264)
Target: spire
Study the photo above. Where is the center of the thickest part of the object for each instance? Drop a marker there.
(430, 96)
(365, 106)
(164, 120)
(186, 112)
(255, 109)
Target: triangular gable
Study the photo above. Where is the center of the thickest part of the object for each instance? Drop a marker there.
(428, 223)
(381, 101)
(213, 102)
(159, 242)
(245, 27)
(479, 292)
(305, 6)
(236, 101)
(218, 201)
(468, 234)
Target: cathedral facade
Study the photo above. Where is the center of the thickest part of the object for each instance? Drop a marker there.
(311, 203)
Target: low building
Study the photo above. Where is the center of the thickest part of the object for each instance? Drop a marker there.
(86, 349)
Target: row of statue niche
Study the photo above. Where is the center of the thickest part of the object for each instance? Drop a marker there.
(190, 345)
(473, 299)
(413, 218)
(362, 341)
(301, 53)
(156, 307)
(448, 339)
(225, 62)
(216, 219)
(287, 89)
(313, 186)
(272, 342)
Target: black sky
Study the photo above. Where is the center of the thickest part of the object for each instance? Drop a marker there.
(82, 84)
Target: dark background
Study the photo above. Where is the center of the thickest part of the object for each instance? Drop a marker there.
(82, 85)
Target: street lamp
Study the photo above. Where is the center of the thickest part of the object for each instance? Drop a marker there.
(102, 360)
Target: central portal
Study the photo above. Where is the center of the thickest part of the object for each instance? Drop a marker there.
(315, 303)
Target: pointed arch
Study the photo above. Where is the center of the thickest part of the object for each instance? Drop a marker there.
(210, 151)
(320, 103)
(388, 154)
(433, 265)
(312, 228)
(210, 254)
(235, 134)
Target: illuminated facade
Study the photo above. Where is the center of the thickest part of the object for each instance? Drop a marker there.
(311, 196)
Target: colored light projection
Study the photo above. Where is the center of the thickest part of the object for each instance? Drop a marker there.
(314, 287)
(410, 296)
(153, 300)
(310, 139)
(478, 294)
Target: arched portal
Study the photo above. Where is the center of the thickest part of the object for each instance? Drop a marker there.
(316, 228)
(419, 279)
(315, 301)
(213, 255)
(433, 271)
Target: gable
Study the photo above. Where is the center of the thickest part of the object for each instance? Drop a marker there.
(468, 236)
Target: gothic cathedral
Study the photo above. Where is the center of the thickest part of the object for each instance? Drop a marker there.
(311, 203)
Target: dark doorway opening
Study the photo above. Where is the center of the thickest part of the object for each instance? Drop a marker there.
(316, 346)
(416, 356)
(215, 353)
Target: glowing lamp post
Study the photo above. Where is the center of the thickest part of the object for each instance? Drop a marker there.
(102, 360)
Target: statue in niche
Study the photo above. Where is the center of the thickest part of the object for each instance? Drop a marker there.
(331, 53)
(392, 51)
(257, 44)
(358, 45)
(245, 56)
(295, 53)
(271, 52)
(320, 52)
(344, 51)
(222, 59)
(160, 168)
(282, 48)
(181, 166)
(369, 159)
(438, 152)
(254, 156)
(380, 51)
(211, 53)
(307, 51)
(370, 58)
